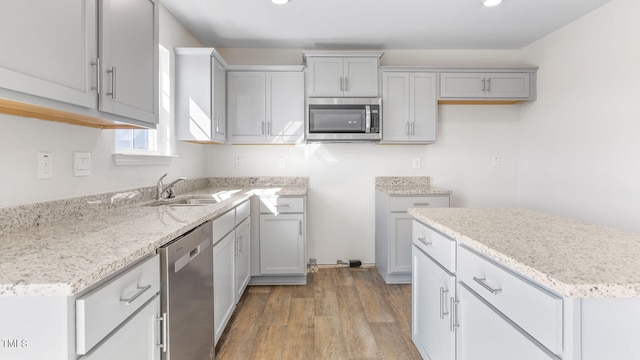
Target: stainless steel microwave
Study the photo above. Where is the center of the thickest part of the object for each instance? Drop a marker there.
(344, 119)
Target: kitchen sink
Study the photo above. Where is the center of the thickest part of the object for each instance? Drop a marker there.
(186, 201)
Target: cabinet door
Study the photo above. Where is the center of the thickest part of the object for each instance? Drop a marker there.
(395, 106)
(507, 85)
(462, 85)
(423, 107)
(193, 96)
(483, 333)
(219, 101)
(360, 77)
(129, 53)
(242, 261)
(247, 106)
(400, 243)
(282, 244)
(285, 107)
(46, 49)
(325, 76)
(224, 299)
(432, 290)
(137, 339)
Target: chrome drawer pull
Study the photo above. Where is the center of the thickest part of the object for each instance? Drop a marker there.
(141, 290)
(163, 343)
(443, 299)
(425, 241)
(483, 283)
(283, 205)
(453, 314)
(113, 82)
(421, 204)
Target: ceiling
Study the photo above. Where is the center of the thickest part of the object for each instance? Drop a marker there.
(375, 24)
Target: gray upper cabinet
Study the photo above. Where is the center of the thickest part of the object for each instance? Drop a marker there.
(487, 85)
(95, 59)
(52, 56)
(200, 95)
(342, 74)
(128, 49)
(409, 110)
(265, 107)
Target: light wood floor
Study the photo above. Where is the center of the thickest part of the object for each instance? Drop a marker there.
(342, 313)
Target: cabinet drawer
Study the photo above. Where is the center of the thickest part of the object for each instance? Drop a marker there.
(223, 224)
(402, 203)
(535, 310)
(439, 247)
(242, 212)
(105, 308)
(274, 205)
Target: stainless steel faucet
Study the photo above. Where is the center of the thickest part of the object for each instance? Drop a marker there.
(163, 192)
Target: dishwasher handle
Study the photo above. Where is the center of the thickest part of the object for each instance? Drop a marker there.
(192, 254)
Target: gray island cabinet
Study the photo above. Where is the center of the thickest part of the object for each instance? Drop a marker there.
(517, 284)
(394, 195)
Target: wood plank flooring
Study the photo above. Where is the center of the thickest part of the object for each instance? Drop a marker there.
(342, 313)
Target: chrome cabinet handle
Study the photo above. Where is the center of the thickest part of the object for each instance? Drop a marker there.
(489, 85)
(341, 84)
(113, 73)
(263, 127)
(483, 283)
(484, 85)
(413, 129)
(421, 204)
(98, 73)
(270, 128)
(453, 314)
(283, 205)
(443, 299)
(163, 343)
(425, 241)
(300, 222)
(141, 290)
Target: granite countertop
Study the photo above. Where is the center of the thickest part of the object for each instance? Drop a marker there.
(573, 258)
(408, 185)
(63, 259)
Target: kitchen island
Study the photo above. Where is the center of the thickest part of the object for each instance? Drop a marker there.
(557, 288)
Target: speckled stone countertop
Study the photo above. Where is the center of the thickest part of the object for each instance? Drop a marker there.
(62, 259)
(573, 258)
(408, 185)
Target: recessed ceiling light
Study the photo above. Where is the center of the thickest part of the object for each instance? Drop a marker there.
(280, 2)
(490, 3)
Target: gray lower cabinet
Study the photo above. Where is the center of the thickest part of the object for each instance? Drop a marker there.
(231, 259)
(393, 233)
(281, 245)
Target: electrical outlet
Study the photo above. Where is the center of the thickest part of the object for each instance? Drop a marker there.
(282, 163)
(495, 161)
(45, 165)
(416, 163)
(238, 163)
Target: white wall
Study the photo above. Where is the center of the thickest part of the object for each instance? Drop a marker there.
(341, 176)
(22, 138)
(580, 142)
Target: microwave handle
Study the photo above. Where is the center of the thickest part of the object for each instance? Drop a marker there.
(367, 118)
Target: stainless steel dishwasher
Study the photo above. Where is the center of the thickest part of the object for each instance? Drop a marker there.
(187, 295)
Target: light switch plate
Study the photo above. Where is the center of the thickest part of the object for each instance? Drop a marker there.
(416, 163)
(81, 163)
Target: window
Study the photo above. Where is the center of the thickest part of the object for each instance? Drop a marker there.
(151, 141)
